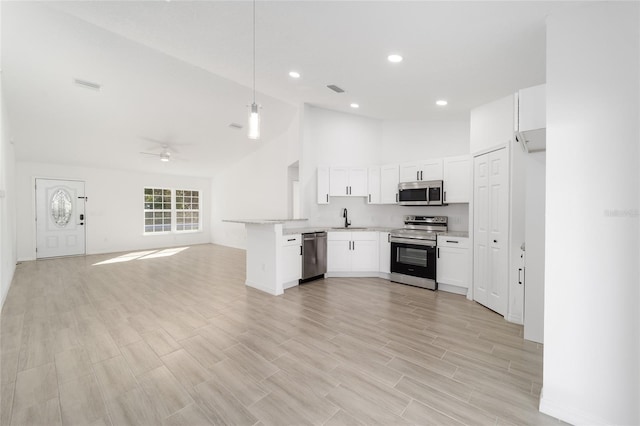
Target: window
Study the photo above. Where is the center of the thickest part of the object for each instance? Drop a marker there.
(161, 212)
(187, 210)
(157, 210)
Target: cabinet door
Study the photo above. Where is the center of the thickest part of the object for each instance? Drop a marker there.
(364, 255)
(532, 108)
(389, 179)
(323, 185)
(358, 182)
(292, 263)
(431, 170)
(338, 181)
(457, 179)
(453, 266)
(338, 255)
(409, 172)
(373, 183)
(384, 253)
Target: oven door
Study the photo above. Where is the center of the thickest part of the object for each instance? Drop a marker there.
(413, 257)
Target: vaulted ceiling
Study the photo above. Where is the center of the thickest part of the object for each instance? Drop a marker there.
(180, 72)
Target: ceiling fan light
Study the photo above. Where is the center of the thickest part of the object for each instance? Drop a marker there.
(165, 157)
(254, 122)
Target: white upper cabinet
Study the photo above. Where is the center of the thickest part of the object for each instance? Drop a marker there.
(531, 120)
(373, 183)
(457, 179)
(389, 179)
(532, 111)
(323, 185)
(345, 181)
(492, 125)
(421, 170)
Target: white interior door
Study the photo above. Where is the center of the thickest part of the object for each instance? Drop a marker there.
(60, 218)
(481, 228)
(491, 221)
(498, 231)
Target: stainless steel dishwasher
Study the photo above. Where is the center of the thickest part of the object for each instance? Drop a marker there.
(314, 255)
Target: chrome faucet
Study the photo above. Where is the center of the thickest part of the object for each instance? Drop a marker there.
(346, 218)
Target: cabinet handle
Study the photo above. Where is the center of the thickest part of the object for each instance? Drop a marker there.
(353, 243)
(291, 239)
(451, 241)
(388, 238)
(369, 197)
(445, 196)
(495, 241)
(300, 250)
(327, 198)
(438, 252)
(346, 188)
(420, 174)
(519, 278)
(396, 197)
(417, 175)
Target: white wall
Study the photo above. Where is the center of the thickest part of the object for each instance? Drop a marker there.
(591, 331)
(255, 187)
(115, 214)
(534, 237)
(338, 139)
(7, 202)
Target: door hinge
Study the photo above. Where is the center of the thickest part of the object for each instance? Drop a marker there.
(36, 249)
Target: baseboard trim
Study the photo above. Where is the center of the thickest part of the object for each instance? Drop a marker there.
(517, 319)
(352, 274)
(567, 414)
(452, 289)
(261, 288)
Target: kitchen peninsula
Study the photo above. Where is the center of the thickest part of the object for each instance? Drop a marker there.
(265, 253)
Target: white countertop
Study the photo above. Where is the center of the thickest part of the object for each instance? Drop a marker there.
(290, 231)
(262, 221)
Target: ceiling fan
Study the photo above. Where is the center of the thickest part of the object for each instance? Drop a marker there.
(164, 154)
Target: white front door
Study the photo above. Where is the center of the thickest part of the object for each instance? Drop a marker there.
(491, 221)
(60, 218)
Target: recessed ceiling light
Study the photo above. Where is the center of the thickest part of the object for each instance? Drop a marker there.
(441, 102)
(395, 58)
(294, 74)
(354, 105)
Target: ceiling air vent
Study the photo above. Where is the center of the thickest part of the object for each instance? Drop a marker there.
(235, 126)
(335, 88)
(86, 84)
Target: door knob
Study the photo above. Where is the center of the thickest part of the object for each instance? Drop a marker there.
(495, 241)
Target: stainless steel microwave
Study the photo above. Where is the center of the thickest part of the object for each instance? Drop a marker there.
(420, 193)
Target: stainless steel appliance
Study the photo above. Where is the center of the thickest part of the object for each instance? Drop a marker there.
(314, 256)
(413, 250)
(420, 193)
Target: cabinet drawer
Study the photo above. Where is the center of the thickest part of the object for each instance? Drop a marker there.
(454, 242)
(291, 240)
(364, 236)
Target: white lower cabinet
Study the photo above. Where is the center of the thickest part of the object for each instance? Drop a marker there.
(453, 264)
(385, 252)
(352, 252)
(291, 260)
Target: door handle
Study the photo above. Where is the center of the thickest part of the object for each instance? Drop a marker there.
(81, 216)
(495, 241)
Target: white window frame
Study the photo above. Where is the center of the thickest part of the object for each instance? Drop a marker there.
(155, 211)
(173, 211)
(188, 211)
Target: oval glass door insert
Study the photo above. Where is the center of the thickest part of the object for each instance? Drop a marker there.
(61, 207)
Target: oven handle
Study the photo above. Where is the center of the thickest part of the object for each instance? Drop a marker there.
(427, 243)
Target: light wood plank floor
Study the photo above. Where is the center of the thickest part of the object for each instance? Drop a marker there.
(179, 340)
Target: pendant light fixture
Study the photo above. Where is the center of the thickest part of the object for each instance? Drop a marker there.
(254, 114)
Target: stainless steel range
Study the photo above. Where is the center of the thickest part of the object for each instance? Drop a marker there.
(413, 250)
